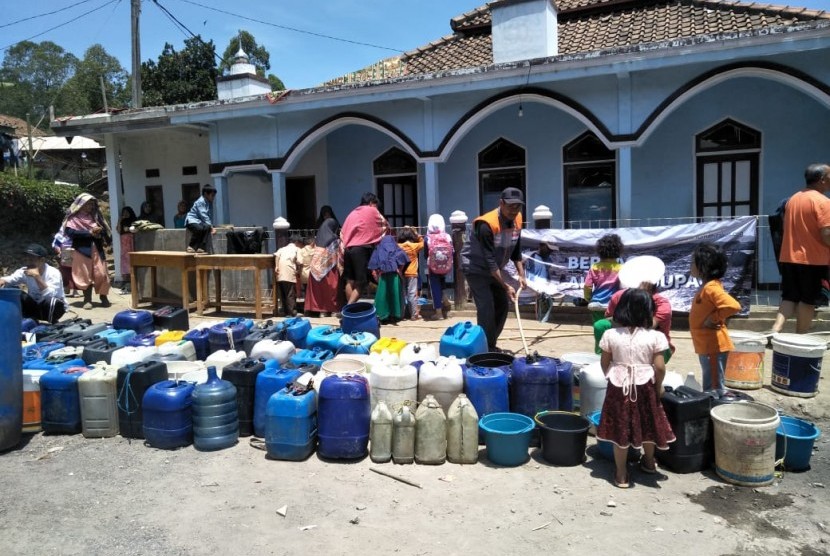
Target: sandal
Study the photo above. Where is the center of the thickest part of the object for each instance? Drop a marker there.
(621, 484)
(646, 469)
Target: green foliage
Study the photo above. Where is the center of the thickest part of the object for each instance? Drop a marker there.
(181, 77)
(32, 208)
(84, 88)
(276, 83)
(257, 55)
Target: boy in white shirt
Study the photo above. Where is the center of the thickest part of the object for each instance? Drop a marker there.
(289, 267)
(43, 298)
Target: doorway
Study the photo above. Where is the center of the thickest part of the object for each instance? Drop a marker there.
(301, 202)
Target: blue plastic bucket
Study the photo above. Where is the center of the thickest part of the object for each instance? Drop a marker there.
(360, 317)
(507, 436)
(794, 439)
(606, 449)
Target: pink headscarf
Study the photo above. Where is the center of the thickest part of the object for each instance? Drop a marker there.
(78, 220)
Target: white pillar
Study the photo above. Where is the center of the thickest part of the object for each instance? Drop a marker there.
(624, 119)
(221, 205)
(278, 189)
(116, 194)
(431, 187)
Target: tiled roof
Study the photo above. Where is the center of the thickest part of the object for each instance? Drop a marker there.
(590, 25)
(19, 126)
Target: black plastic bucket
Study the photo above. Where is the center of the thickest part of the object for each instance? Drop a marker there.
(564, 436)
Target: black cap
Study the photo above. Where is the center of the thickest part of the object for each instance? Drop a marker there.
(513, 196)
(36, 250)
(207, 188)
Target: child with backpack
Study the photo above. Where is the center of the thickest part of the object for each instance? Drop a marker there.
(440, 256)
(412, 244)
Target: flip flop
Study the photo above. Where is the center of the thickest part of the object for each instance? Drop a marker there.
(624, 484)
(649, 470)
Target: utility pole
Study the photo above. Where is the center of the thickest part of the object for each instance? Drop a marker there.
(136, 51)
(30, 158)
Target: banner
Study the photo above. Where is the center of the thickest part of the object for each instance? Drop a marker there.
(563, 270)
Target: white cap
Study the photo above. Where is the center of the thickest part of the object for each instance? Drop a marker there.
(645, 268)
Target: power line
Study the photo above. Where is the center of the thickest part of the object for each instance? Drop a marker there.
(75, 5)
(104, 5)
(183, 28)
(321, 35)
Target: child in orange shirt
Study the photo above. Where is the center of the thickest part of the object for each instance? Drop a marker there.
(710, 309)
(411, 243)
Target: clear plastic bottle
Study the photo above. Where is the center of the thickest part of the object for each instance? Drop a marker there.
(691, 382)
(380, 434)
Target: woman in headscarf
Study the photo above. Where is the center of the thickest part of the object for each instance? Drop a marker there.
(126, 237)
(438, 239)
(90, 233)
(324, 275)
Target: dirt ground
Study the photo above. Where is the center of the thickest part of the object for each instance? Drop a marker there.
(71, 495)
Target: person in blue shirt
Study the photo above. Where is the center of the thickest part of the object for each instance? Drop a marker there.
(199, 221)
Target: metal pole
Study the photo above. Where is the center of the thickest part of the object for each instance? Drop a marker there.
(29, 158)
(104, 94)
(135, 12)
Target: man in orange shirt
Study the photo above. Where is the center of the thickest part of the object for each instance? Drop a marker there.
(805, 251)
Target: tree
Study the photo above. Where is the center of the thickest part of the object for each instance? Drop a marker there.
(181, 77)
(32, 77)
(257, 55)
(85, 85)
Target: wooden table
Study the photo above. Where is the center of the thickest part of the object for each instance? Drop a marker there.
(218, 263)
(184, 262)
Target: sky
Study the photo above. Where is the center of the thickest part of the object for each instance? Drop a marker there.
(301, 59)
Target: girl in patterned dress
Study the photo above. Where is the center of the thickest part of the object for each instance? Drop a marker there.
(632, 360)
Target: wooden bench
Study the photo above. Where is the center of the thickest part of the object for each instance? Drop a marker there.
(218, 263)
(178, 260)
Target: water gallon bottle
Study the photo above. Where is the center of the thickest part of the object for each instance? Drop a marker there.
(215, 417)
(463, 340)
(324, 337)
(140, 321)
(133, 381)
(224, 357)
(343, 417)
(380, 434)
(227, 336)
(394, 385)
(256, 336)
(486, 388)
(269, 382)
(281, 350)
(314, 356)
(168, 414)
(430, 433)
(383, 358)
(419, 351)
(403, 436)
(60, 401)
(443, 379)
(356, 343)
(534, 386)
(131, 355)
(462, 431)
(291, 423)
(99, 410)
(184, 348)
(243, 375)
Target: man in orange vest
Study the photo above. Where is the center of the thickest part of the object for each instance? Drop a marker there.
(493, 241)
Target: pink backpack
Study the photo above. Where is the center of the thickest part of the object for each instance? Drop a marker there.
(439, 260)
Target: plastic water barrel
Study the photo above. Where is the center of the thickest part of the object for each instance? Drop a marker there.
(380, 434)
(403, 436)
(117, 336)
(39, 350)
(132, 383)
(745, 442)
(535, 385)
(463, 340)
(579, 360)
(168, 417)
(222, 358)
(86, 329)
(745, 363)
(201, 341)
(99, 412)
(688, 413)
(27, 325)
(62, 337)
(227, 336)
(430, 432)
(356, 343)
(291, 424)
(31, 401)
(243, 374)
(796, 364)
(256, 336)
(281, 350)
(325, 336)
(486, 388)
(140, 321)
(60, 400)
(360, 317)
(462, 431)
(269, 382)
(54, 361)
(314, 357)
(144, 340)
(394, 385)
(168, 336)
(215, 416)
(343, 416)
(249, 324)
(171, 318)
(418, 351)
(184, 348)
(443, 379)
(131, 355)
(592, 388)
(295, 330)
(392, 345)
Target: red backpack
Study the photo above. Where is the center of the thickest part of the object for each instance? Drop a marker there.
(439, 260)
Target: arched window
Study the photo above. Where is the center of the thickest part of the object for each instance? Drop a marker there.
(500, 165)
(590, 173)
(396, 179)
(727, 170)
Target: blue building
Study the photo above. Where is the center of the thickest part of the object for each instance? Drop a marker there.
(610, 112)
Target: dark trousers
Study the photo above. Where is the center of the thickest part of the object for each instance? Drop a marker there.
(51, 310)
(491, 305)
(199, 234)
(288, 297)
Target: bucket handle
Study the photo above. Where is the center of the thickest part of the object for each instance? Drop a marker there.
(747, 421)
(827, 346)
